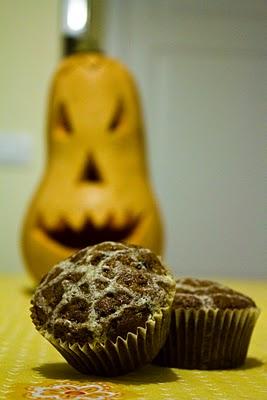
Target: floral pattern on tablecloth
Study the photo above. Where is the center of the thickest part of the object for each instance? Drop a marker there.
(70, 390)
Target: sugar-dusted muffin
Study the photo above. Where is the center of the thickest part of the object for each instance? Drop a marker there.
(211, 326)
(107, 308)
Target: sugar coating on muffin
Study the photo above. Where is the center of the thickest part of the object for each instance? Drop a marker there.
(102, 292)
(205, 294)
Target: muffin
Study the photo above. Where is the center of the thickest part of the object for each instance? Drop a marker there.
(211, 326)
(107, 308)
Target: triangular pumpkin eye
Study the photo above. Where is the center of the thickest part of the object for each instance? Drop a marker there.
(117, 117)
(64, 119)
(90, 172)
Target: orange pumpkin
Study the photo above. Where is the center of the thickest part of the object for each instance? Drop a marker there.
(96, 185)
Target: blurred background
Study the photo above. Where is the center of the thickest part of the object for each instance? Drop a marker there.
(201, 69)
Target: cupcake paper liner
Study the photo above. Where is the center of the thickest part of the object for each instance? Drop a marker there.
(208, 339)
(120, 357)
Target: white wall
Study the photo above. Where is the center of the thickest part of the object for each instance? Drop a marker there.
(29, 43)
(202, 73)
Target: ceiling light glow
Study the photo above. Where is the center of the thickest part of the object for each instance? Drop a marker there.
(76, 15)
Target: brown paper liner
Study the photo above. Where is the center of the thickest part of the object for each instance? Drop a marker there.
(208, 339)
(120, 357)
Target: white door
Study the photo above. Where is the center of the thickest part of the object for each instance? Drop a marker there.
(202, 73)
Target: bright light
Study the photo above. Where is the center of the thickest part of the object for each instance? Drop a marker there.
(76, 15)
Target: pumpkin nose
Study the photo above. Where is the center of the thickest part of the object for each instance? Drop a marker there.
(90, 172)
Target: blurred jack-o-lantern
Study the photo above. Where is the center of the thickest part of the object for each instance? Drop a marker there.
(96, 185)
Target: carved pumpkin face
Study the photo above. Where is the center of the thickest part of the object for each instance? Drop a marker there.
(95, 186)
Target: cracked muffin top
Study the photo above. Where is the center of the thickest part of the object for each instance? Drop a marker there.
(205, 294)
(100, 293)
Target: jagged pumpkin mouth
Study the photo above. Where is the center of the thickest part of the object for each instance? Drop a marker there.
(89, 234)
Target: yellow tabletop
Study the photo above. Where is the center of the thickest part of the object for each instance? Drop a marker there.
(30, 368)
